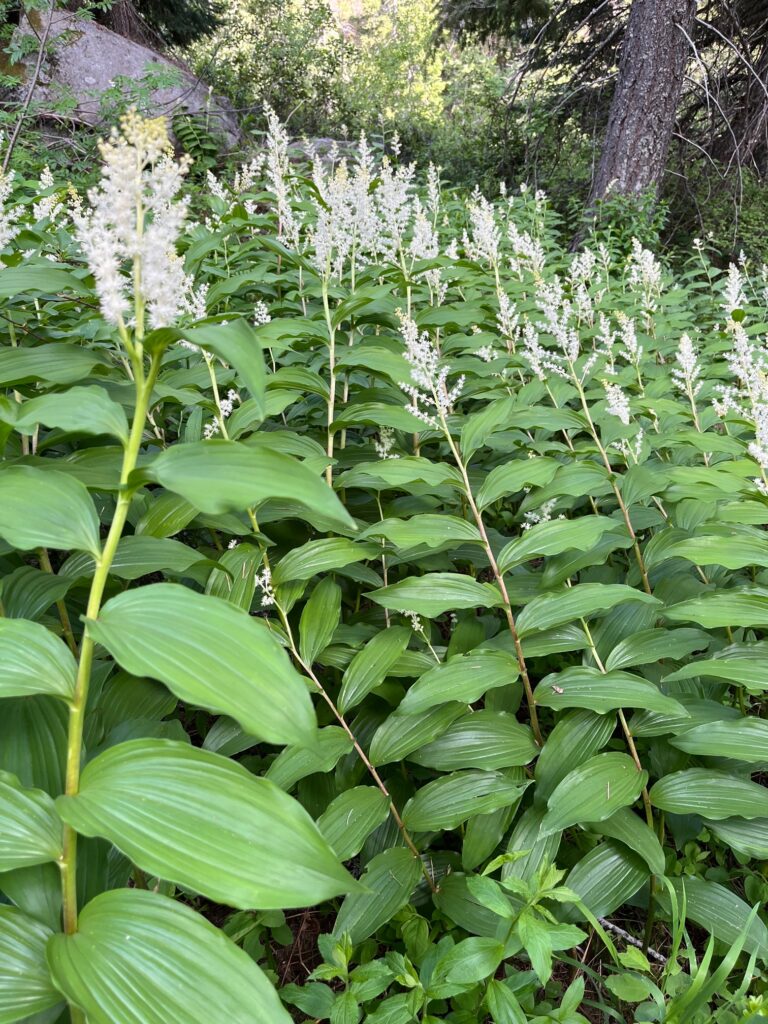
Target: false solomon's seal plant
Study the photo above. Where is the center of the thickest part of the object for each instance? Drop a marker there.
(367, 557)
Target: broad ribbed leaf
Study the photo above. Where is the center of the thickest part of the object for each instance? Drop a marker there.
(585, 687)
(31, 828)
(711, 794)
(576, 737)
(203, 821)
(319, 620)
(45, 508)
(34, 661)
(386, 886)
(435, 593)
(400, 734)
(631, 830)
(295, 763)
(580, 602)
(237, 343)
(652, 645)
(605, 878)
(57, 363)
(514, 477)
(721, 912)
(553, 537)
(350, 819)
(741, 739)
(85, 410)
(465, 678)
(210, 653)
(25, 983)
(467, 963)
(747, 837)
(370, 666)
(738, 663)
(226, 476)
(481, 739)
(720, 608)
(33, 741)
(425, 530)
(321, 556)
(140, 958)
(450, 800)
(593, 791)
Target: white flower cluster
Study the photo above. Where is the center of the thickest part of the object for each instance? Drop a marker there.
(733, 296)
(226, 405)
(748, 397)
(645, 273)
(429, 390)
(134, 218)
(617, 402)
(483, 242)
(385, 443)
(261, 315)
(47, 206)
(541, 515)
(263, 582)
(8, 214)
(686, 374)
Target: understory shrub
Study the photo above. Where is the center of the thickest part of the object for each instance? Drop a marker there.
(364, 552)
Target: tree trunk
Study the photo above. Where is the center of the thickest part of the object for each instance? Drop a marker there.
(642, 117)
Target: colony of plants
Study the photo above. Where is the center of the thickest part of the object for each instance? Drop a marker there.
(383, 600)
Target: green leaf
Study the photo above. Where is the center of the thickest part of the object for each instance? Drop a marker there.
(711, 794)
(193, 642)
(25, 983)
(583, 687)
(321, 556)
(138, 556)
(481, 739)
(734, 550)
(747, 837)
(234, 578)
(350, 819)
(576, 737)
(370, 666)
(203, 821)
(631, 988)
(34, 661)
(503, 1005)
(593, 791)
(45, 508)
(132, 958)
(720, 608)
(450, 800)
(386, 886)
(399, 734)
(319, 620)
(514, 477)
(721, 912)
(467, 963)
(652, 645)
(401, 474)
(43, 277)
(84, 410)
(741, 739)
(553, 537)
(743, 664)
(604, 879)
(425, 530)
(437, 592)
(578, 602)
(56, 363)
(33, 741)
(237, 343)
(31, 832)
(465, 678)
(226, 476)
(625, 826)
(295, 763)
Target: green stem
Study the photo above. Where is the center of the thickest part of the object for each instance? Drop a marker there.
(332, 371)
(68, 863)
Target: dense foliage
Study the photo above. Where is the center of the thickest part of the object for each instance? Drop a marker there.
(364, 551)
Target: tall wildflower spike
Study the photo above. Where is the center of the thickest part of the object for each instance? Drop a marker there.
(685, 375)
(8, 215)
(429, 390)
(134, 218)
(733, 296)
(617, 403)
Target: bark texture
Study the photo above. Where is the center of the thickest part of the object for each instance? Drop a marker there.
(642, 117)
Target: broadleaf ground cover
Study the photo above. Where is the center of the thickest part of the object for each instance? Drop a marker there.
(365, 551)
